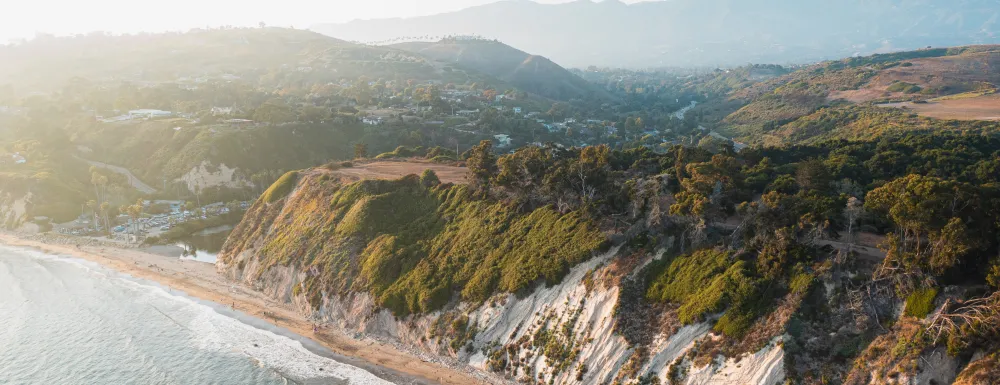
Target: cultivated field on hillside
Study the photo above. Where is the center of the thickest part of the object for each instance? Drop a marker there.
(395, 169)
(985, 107)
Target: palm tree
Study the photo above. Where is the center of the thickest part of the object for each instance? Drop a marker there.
(105, 208)
(92, 205)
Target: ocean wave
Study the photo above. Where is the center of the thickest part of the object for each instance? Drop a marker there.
(212, 331)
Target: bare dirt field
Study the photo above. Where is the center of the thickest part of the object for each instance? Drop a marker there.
(985, 107)
(957, 74)
(395, 169)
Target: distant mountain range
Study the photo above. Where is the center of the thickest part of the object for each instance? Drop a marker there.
(699, 32)
(531, 73)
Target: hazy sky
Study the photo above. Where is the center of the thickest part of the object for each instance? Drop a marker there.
(22, 18)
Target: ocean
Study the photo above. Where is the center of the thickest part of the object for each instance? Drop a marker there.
(70, 321)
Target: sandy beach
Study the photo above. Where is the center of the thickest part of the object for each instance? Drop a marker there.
(200, 280)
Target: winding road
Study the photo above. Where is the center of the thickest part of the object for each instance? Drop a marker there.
(132, 179)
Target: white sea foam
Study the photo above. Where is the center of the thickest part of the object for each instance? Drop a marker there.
(215, 332)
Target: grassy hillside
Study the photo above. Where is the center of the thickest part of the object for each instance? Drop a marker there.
(155, 151)
(411, 244)
(785, 109)
(531, 73)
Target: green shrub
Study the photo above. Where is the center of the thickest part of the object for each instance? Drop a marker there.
(706, 282)
(904, 87)
(282, 187)
(442, 159)
(920, 303)
(429, 178)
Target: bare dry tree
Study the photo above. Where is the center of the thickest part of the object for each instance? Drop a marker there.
(980, 315)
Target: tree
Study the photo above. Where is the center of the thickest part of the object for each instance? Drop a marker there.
(429, 178)
(854, 210)
(813, 175)
(559, 111)
(589, 172)
(92, 205)
(931, 217)
(490, 95)
(360, 151)
(482, 166)
(105, 210)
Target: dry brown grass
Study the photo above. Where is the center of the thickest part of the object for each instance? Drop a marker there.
(383, 169)
(958, 73)
(986, 107)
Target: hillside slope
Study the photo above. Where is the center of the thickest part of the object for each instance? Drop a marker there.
(530, 73)
(956, 83)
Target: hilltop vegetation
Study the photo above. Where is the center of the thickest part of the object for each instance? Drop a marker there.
(529, 216)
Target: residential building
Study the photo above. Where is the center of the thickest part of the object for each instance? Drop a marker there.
(217, 111)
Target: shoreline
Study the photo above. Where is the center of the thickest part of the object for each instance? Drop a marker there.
(200, 281)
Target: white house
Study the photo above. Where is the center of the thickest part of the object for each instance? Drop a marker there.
(517, 110)
(18, 159)
(216, 111)
(372, 121)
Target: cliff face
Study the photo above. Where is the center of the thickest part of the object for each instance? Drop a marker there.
(571, 330)
(539, 296)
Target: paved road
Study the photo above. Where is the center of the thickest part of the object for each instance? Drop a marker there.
(132, 179)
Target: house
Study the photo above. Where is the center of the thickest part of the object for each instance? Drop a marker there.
(372, 121)
(149, 114)
(500, 98)
(467, 112)
(18, 159)
(517, 110)
(217, 111)
(502, 140)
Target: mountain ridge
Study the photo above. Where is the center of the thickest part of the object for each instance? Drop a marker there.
(583, 33)
(532, 73)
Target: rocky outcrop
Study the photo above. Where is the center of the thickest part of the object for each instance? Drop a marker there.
(14, 209)
(206, 175)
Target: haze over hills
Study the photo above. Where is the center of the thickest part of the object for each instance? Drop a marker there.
(531, 73)
(699, 33)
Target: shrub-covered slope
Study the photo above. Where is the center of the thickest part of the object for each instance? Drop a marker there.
(413, 245)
